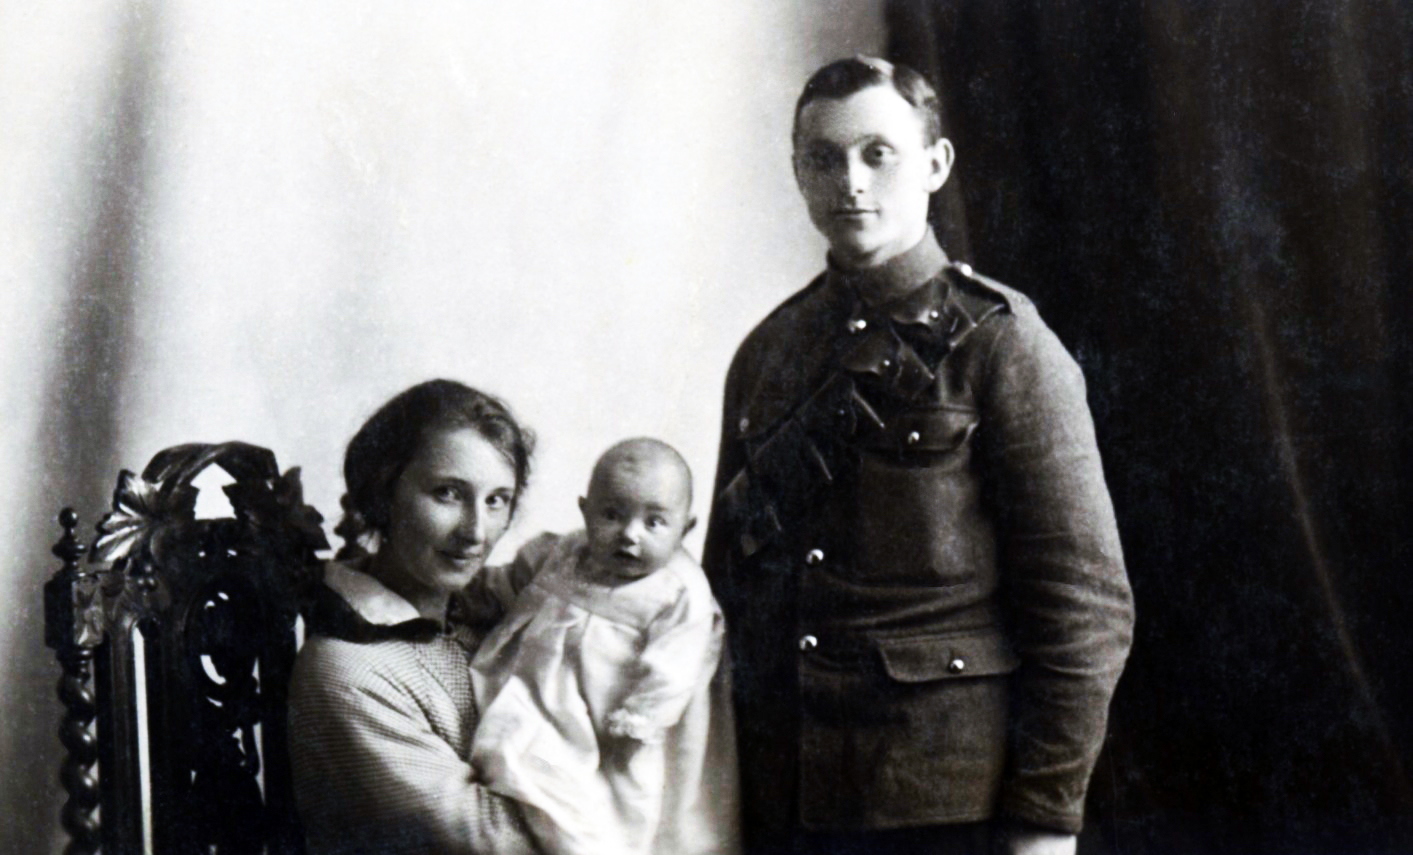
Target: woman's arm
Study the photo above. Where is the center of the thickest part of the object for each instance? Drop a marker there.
(372, 776)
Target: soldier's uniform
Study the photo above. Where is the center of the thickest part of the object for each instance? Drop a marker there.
(917, 557)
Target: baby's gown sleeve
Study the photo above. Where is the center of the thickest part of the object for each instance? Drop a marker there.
(673, 769)
(681, 649)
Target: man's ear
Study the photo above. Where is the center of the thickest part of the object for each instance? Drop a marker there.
(941, 166)
(584, 509)
(691, 524)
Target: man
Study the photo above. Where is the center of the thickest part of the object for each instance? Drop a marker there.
(912, 539)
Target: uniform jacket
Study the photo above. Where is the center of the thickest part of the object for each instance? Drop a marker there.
(930, 630)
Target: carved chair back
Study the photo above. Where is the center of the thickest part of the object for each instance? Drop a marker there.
(176, 639)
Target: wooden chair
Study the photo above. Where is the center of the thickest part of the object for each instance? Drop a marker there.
(176, 641)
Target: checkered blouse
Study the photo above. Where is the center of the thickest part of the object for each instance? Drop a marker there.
(381, 718)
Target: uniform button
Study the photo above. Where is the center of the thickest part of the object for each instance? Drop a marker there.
(744, 425)
(914, 437)
(814, 556)
(887, 363)
(808, 643)
(964, 268)
(934, 315)
(858, 325)
(957, 665)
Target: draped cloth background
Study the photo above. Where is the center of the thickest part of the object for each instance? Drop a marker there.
(256, 221)
(1212, 203)
(259, 220)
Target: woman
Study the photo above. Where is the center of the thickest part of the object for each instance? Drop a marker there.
(381, 707)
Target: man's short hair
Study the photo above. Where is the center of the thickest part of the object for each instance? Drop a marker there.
(844, 77)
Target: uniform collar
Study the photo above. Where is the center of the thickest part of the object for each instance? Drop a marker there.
(897, 277)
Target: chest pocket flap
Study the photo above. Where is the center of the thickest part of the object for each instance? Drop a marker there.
(931, 431)
(948, 657)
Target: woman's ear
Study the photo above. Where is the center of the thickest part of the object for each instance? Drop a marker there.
(942, 155)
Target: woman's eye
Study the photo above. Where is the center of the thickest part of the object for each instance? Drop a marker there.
(497, 501)
(446, 493)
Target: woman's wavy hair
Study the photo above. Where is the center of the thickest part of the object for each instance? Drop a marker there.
(388, 441)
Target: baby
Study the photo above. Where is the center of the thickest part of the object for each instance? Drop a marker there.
(600, 712)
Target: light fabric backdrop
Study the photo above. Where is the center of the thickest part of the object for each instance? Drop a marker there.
(258, 221)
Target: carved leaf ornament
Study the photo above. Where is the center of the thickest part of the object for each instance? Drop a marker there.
(213, 604)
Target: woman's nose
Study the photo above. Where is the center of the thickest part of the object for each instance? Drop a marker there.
(472, 527)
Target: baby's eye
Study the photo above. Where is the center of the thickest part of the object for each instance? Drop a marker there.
(656, 522)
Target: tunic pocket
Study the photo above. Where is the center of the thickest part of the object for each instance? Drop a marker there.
(919, 436)
(918, 512)
(985, 653)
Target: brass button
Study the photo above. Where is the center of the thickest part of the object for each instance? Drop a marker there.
(814, 556)
(957, 665)
(887, 363)
(964, 268)
(857, 325)
(934, 315)
(914, 437)
(808, 643)
(744, 424)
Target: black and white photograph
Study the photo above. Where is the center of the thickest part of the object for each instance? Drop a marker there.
(805, 427)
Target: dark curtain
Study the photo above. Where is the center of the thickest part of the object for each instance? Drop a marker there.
(1212, 204)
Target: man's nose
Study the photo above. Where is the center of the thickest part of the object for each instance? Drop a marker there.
(856, 176)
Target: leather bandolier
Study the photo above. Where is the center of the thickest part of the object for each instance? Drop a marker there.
(888, 360)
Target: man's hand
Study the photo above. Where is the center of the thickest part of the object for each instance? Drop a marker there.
(1030, 841)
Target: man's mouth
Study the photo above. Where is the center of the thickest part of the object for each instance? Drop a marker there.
(625, 555)
(461, 557)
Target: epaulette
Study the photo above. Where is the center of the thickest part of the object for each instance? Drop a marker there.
(979, 297)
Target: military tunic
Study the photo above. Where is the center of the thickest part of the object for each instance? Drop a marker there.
(917, 556)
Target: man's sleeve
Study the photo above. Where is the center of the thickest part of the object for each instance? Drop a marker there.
(1062, 570)
(731, 457)
(372, 776)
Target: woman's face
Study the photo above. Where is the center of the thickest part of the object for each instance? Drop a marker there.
(449, 506)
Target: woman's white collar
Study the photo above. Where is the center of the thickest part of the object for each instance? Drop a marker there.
(374, 601)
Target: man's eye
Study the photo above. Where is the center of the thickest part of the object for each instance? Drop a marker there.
(876, 154)
(657, 522)
(497, 501)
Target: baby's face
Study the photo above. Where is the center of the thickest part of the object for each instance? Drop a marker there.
(636, 514)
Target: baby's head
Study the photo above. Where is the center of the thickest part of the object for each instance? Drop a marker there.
(638, 508)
